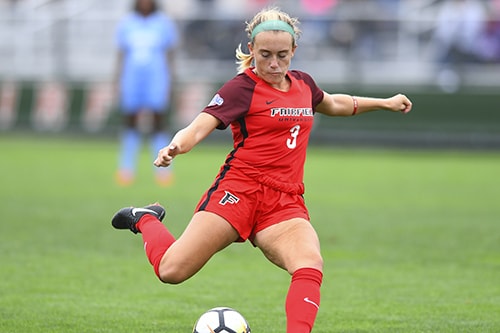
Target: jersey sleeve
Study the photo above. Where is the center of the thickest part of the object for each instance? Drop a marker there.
(232, 100)
(316, 92)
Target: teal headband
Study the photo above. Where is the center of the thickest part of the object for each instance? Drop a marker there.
(273, 25)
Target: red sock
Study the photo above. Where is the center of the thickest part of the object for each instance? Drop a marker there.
(302, 301)
(157, 239)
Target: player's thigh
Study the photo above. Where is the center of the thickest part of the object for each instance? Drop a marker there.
(156, 94)
(205, 235)
(130, 96)
(291, 245)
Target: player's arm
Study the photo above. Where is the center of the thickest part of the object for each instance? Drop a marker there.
(347, 105)
(188, 137)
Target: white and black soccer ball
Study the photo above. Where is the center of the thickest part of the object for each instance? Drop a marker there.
(221, 320)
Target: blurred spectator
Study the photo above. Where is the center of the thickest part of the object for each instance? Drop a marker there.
(212, 39)
(217, 29)
(317, 7)
(316, 25)
(459, 26)
(357, 23)
(146, 39)
(489, 42)
(455, 42)
(390, 5)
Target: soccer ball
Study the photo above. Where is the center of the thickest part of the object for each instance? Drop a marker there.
(221, 320)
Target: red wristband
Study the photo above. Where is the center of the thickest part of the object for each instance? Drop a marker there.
(355, 105)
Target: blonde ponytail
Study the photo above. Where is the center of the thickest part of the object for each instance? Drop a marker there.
(243, 60)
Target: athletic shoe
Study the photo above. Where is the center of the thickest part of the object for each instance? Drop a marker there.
(127, 218)
(164, 179)
(124, 178)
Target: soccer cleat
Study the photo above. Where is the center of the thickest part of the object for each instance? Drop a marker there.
(164, 179)
(124, 178)
(127, 218)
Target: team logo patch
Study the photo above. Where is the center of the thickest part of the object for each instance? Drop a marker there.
(229, 198)
(217, 100)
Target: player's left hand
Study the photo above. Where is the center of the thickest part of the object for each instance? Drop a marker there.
(399, 103)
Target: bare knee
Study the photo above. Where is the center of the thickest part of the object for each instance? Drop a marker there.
(172, 274)
(311, 261)
(175, 270)
(318, 263)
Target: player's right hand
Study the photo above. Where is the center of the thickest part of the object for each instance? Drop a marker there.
(166, 155)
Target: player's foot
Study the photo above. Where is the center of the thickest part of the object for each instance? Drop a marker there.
(164, 179)
(127, 218)
(124, 178)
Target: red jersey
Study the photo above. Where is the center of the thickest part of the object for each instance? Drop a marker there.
(270, 128)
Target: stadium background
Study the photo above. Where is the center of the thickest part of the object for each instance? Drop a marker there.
(57, 64)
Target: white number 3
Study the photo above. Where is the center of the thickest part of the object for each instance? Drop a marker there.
(294, 132)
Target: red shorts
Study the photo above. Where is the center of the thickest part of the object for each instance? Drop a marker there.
(251, 204)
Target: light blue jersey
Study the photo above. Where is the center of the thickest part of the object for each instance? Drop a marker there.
(145, 80)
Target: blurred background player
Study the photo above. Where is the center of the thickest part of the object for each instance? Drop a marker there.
(146, 40)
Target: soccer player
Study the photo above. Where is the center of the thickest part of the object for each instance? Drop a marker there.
(146, 40)
(258, 193)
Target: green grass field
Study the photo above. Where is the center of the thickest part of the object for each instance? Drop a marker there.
(411, 242)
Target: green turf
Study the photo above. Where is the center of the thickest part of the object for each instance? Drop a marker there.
(411, 242)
